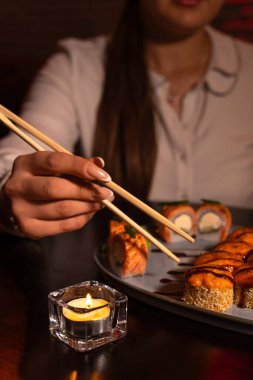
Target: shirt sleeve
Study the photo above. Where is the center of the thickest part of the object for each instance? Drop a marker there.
(49, 107)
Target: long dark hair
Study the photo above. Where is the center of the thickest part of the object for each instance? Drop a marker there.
(125, 132)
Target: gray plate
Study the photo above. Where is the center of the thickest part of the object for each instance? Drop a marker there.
(163, 284)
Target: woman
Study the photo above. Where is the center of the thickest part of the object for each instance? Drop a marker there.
(165, 101)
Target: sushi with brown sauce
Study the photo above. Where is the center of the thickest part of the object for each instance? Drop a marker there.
(182, 215)
(214, 255)
(243, 294)
(238, 231)
(213, 221)
(128, 253)
(246, 236)
(227, 263)
(209, 287)
(235, 246)
(249, 257)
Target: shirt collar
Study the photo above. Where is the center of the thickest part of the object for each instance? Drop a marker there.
(224, 65)
(157, 80)
(223, 68)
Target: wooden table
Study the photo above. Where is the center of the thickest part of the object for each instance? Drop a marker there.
(158, 345)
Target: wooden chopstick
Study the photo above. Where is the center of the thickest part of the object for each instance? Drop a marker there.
(111, 185)
(107, 203)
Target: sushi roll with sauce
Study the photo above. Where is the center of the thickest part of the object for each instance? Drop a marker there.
(246, 236)
(243, 294)
(238, 231)
(242, 248)
(213, 221)
(227, 263)
(128, 253)
(209, 287)
(181, 214)
(249, 257)
(216, 255)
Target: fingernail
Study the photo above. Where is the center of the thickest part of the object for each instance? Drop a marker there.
(102, 163)
(98, 173)
(110, 195)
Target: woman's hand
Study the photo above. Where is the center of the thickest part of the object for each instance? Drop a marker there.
(51, 192)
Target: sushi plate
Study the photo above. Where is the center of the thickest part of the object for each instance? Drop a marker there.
(163, 284)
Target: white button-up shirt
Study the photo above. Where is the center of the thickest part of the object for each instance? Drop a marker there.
(207, 152)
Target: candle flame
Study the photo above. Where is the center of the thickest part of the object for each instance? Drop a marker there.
(88, 300)
(73, 375)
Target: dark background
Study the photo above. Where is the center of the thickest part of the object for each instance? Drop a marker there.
(29, 31)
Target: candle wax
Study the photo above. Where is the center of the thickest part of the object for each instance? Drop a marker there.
(92, 315)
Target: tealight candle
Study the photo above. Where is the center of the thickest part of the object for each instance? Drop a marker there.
(84, 322)
(87, 315)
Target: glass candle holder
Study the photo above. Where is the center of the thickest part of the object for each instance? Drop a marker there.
(87, 315)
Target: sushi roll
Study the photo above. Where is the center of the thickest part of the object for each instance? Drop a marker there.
(238, 231)
(243, 295)
(249, 257)
(128, 253)
(209, 287)
(216, 255)
(213, 221)
(115, 227)
(246, 236)
(242, 248)
(227, 263)
(181, 214)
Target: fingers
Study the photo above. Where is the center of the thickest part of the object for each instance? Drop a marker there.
(36, 229)
(62, 207)
(58, 163)
(56, 188)
(52, 192)
(56, 210)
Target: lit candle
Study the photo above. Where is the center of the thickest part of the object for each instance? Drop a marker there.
(87, 323)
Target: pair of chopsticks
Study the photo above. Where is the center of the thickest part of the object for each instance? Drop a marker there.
(6, 116)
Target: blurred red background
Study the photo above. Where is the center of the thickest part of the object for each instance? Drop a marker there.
(236, 18)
